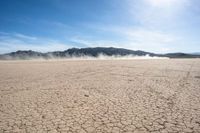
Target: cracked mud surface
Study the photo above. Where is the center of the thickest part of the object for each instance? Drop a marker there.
(157, 96)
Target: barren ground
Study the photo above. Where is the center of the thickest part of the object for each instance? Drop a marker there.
(100, 96)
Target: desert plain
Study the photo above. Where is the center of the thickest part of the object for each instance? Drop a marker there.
(100, 96)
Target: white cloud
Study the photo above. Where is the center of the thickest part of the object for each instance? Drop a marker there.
(164, 3)
(17, 41)
(151, 40)
(136, 38)
(145, 35)
(22, 36)
(157, 14)
(94, 43)
(154, 27)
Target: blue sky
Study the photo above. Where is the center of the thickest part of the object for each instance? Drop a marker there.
(159, 26)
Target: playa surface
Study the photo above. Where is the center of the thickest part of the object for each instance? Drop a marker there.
(89, 96)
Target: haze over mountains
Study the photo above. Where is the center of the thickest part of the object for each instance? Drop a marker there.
(89, 52)
(196, 53)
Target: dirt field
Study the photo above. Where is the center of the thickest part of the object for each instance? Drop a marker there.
(100, 96)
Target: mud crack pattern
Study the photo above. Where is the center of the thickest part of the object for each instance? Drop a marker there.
(100, 96)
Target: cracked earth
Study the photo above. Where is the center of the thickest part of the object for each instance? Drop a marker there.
(100, 96)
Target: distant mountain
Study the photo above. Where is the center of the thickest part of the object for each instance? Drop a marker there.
(196, 53)
(29, 54)
(181, 55)
(93, 52)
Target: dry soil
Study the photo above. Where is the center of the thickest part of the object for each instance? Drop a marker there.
(89, 96)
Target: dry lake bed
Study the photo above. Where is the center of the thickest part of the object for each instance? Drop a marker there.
(89, 96)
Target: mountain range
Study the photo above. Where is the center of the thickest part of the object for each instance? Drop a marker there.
(91, 52)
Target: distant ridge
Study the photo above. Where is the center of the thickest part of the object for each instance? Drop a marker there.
(196, 53)
(92, 52)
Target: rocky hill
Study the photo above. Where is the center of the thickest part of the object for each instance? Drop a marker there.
(92, 52)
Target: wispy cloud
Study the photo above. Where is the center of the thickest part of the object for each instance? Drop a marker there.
(94, 43)
(157, 13)
(155, 26)
(135, 37)
(17, 41)
(152, 25)
(22, 36)
(166, 3)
